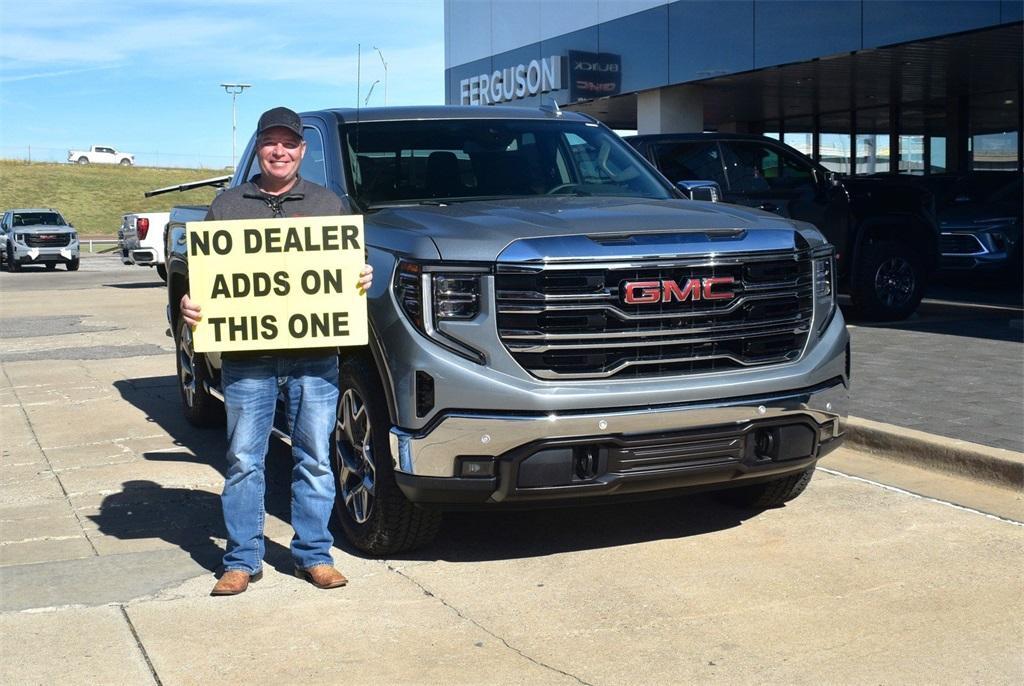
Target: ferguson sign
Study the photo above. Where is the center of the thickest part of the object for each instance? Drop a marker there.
(512, 83)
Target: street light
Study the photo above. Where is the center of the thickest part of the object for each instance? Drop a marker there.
(234, 89)
(370, 92)
(385, 74)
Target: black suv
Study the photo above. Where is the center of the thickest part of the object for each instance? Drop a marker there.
(884, 228)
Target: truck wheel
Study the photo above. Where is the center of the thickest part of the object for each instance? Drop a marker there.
(161, 271)
(125, 163)
(83, 160)
(769, 494)
(888, 282)
(73, 265)
(12, 263)
(201, 409)
(373, 512)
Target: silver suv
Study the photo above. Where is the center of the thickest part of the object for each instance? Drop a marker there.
(38, 236)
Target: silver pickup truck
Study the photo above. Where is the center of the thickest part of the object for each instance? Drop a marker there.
(551, 320)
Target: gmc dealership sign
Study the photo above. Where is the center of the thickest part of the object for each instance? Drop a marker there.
(512, 83)
(594, 75)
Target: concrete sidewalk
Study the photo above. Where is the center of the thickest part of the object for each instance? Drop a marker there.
(110, 531)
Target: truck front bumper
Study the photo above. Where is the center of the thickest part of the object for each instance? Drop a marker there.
(478, 458)
(25, 255)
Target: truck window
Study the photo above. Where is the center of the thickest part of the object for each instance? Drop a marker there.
(690, 161)
(314, 166)
(755, 167)
(418, 161)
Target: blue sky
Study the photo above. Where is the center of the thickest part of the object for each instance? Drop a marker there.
(143, 76)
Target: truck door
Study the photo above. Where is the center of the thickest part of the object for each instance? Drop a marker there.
(772, 179)
(689, 161)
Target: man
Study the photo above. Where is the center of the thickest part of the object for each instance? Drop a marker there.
(250, 382)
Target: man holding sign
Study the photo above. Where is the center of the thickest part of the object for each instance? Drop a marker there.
(277, 293)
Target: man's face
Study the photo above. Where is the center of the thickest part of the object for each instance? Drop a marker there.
(280, 153)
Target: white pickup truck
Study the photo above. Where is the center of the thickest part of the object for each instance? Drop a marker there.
(141, 240)
(101, 154)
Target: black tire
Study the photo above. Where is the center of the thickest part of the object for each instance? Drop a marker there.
(161, 271)
(768, 494)
(125, 163)
(73, 265)
(12, 264)
(51, 266)
(889, 281)
(373, 512)
(199, 407)
(83, 160)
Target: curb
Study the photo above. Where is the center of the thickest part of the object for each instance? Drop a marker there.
(996, 466)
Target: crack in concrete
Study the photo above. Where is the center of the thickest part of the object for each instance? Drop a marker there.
(35, 438)
(142, 648)
(480, 626)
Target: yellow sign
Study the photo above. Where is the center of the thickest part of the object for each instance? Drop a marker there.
(268, 284)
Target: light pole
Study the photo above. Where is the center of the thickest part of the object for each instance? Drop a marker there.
(370, 92)
(385, 74)
(234, 89)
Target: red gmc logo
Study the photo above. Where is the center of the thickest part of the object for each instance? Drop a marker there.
(643, 292)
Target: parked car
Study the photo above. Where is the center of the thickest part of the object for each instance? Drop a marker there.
(101, 154)
(551, 321)
(38, 236)
(979, 221)
(141, 240)
(883, 228)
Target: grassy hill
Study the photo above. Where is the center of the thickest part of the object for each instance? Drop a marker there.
(93, 197)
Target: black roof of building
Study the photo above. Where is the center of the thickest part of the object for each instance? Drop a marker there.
(448, 112)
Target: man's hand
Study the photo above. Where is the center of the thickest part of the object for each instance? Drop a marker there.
(365, 279)
(189, 311)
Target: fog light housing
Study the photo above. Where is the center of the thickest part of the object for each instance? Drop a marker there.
(475, 467)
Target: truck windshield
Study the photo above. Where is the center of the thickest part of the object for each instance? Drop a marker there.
(37, 219)
(403, 162)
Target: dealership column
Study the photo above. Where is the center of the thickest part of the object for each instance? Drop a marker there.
(679, 109)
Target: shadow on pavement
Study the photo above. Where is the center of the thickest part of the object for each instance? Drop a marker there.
(135, 285)
(473, 536)
(994, 328)
(189, 518)
(465, 535)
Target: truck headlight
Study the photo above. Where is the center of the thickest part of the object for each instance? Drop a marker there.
(825, 287)
(430, 297)
(20, 237)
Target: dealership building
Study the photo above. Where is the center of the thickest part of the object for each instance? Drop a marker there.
(863, 86)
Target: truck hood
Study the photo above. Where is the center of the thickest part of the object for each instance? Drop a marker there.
(483, 230)
(41, 228)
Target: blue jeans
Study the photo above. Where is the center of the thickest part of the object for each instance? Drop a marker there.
(250, 389)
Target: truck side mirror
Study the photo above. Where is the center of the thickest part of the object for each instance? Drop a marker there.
(709, 191)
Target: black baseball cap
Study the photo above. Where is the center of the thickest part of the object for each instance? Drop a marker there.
(280, 116)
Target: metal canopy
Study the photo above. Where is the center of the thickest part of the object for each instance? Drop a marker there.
(925, 72)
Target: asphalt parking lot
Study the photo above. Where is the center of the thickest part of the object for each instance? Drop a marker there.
(110, 530)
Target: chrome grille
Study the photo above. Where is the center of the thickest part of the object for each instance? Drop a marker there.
(47, 240)
(573, 323)
(960, 244)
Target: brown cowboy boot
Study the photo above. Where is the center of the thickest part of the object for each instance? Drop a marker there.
(322, 576)
(234, 582)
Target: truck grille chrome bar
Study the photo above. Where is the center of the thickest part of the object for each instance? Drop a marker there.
(576, 324)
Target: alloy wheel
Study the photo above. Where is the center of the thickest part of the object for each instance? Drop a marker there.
(186, 365)
(357, 475)
(895, 282)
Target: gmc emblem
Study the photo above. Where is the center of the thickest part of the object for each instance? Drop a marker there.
(644, 292)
